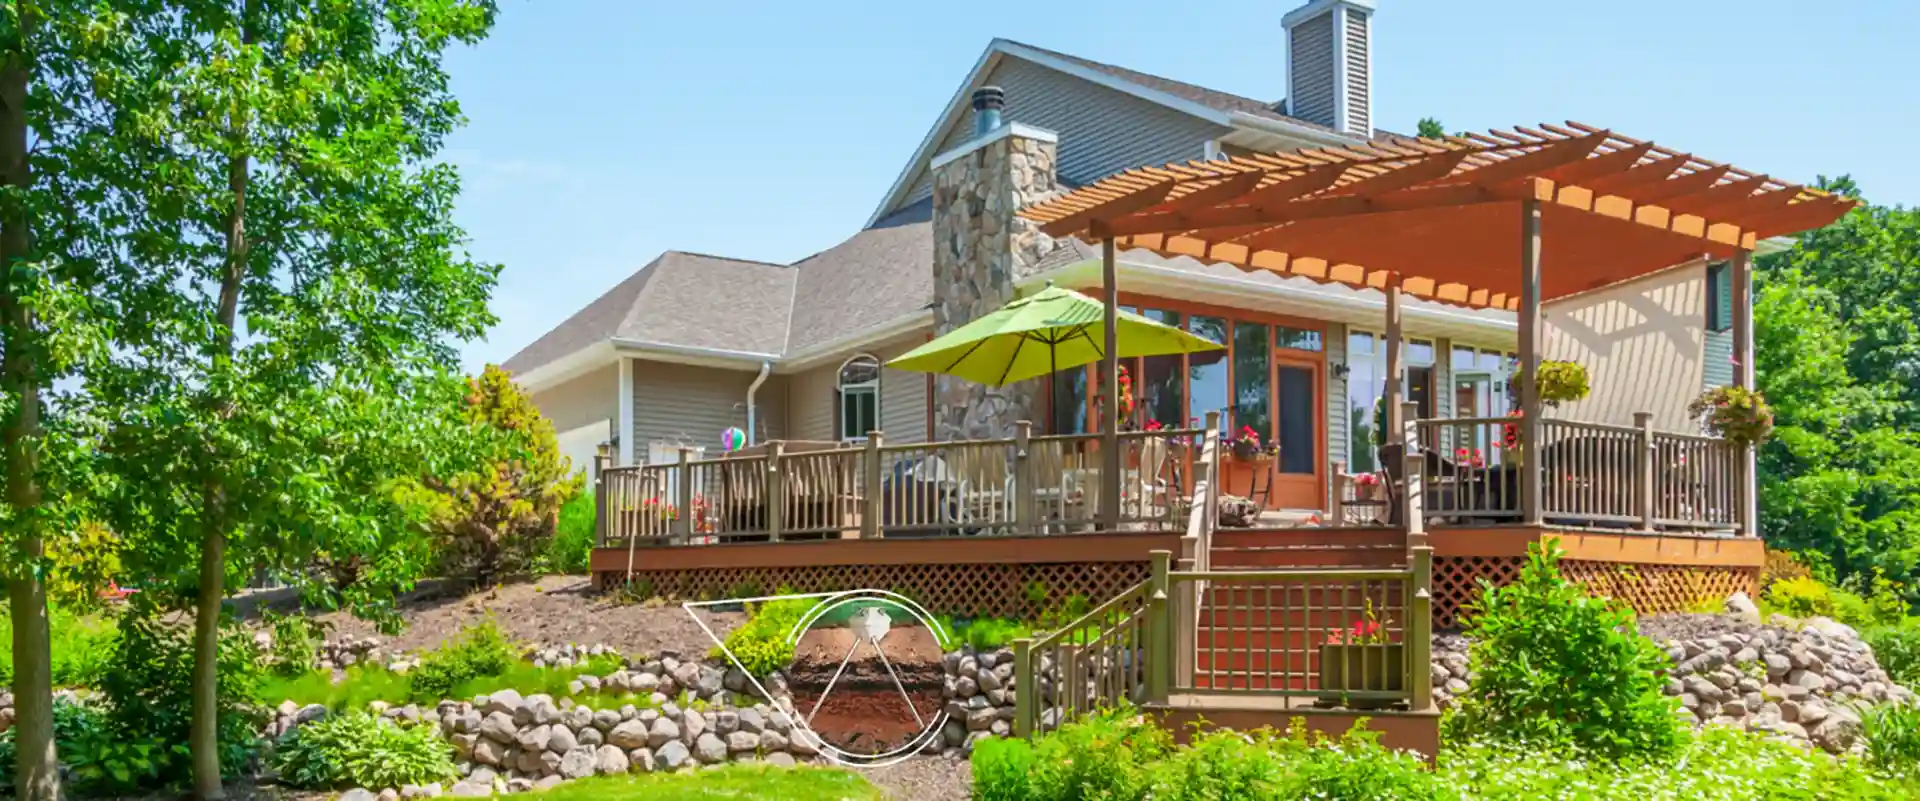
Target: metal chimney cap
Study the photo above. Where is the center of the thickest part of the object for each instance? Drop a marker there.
(989, 97)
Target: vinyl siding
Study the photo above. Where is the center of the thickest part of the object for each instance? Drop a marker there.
(1310, 93)
(903, 400)
(580, 401)
(1717, 361)
(684, 404)
(1102, 131)
(1643, 343)
(1357, 87)
(1336, 395)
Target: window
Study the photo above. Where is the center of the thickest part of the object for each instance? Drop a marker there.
(1159, 382)
(858, 397)
(1719, 297)
(1207, 372)
(1252, 352)
(1363, 392)
(1297, 339)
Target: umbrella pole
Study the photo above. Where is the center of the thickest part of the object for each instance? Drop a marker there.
(1110, 393)
(1053, 367)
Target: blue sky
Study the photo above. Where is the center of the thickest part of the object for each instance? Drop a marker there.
(605, 131)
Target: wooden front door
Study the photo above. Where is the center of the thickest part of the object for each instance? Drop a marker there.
(1299, 408)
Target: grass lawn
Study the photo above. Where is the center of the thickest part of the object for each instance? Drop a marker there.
(732, 781)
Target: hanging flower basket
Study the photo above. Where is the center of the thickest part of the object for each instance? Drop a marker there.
(1562, 382)
(1740, 416)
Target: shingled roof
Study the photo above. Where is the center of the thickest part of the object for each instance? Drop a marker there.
(1211, 98)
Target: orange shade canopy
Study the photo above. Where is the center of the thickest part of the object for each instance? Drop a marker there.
(1442, 217)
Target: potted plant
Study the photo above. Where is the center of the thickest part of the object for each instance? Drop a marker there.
(1738, 415)
(1361, 658)
(1366, 486)
(1246, 446)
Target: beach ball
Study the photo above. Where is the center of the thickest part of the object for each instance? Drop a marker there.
(733, 439)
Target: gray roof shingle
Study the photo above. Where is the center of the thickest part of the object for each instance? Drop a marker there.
(878, 276)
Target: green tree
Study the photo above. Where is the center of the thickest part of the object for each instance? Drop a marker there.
(1431, 128)
(498, 514)
(288, 293)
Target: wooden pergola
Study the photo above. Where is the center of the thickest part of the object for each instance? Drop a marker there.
(1461, 220)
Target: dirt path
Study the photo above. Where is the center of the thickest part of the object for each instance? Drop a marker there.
(550, 611)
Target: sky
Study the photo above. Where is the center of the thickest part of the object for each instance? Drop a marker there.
(603, 132)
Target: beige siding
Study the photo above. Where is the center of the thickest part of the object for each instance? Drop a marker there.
(582, 411)
(903, 400)
(1717, 368)
(690, 405)
(1336, 395)
(1641, 342)
(1310, 61)
(1102, 131)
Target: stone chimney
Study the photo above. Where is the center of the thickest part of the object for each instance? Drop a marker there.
(980, 249)
(1330, 64)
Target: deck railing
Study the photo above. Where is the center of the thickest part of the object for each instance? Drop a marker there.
(1025, 485)
(1356, 638)
(1590, 474)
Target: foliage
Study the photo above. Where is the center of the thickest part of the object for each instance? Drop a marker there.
(1781, 565)
(361, 685)
(84, 564)
(1837, 327)
(1801, 597)
(1720, 764)
(762, 644)
(1106, 754)
(296, 643)
(1555, 665)
(572, 543)
(987, 633)
(149, 685)
(1561, 382)
(1219, 764)
(481, 650)
(101, 759)
(359, 749)
(1355, 766)
(1739, 415)
(1892, 734)
(527, 679)
(1897, 649)
(82, 647)
(1430, 128)
(497, 515)
(731, 781)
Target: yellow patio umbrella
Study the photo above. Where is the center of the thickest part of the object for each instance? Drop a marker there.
(1041, 334)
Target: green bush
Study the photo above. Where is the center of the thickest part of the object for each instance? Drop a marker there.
(1554, 665)
(1897, 648)
(361, 685)
(572, 544)
(1000, 769)
(82, 646)
(149, 691)
(1892, 732)
(526, 679)
(761, 644)
(1108, 754)
(98, 758)
(481, 650)
(358, 749)
(296, 643)
(1220, 764)
(1801, 597)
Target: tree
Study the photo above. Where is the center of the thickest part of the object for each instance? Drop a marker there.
(292, 273)
(498, 514)
(1430, 128)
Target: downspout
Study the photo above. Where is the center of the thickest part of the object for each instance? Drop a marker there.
(766, 369)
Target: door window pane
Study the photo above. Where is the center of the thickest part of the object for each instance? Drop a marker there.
(1251, 354)
(1363, 391)
(1070, 401)
(1162, 386)
(1297, 403)
(1207, 372)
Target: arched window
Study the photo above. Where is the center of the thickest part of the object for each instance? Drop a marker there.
(858, 397)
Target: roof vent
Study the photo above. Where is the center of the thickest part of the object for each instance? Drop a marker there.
(987, 103)
(1329, 66)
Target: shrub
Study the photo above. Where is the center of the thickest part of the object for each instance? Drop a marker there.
(1220, 764)
(82, 647)
(1107, 754)
(762, 643)
(572, 544)
(362, 684)
(1892, 732)
(359, 749)
(296, 643)
(481, 650)
(149, 691)
(1801, 596)
(1897, 649)
(1553, 664)
(1000, 769)
(98, 759)
(1354, 767)
(1779, 566)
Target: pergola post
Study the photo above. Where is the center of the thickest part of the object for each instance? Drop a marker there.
(1110, 391)
(1742, 288)
(1530, 408)
(1396, 348)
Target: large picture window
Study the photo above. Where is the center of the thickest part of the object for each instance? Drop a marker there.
(858, 397)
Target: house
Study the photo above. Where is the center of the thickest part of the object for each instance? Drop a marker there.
(796, 352)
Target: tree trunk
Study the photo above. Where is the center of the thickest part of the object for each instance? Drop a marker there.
(204, 739)
(37, 769)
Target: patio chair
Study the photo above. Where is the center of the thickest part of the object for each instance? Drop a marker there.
(986, 489)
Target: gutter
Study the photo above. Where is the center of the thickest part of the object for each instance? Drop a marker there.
(691, 354)
(766, 369)
(1242, 119)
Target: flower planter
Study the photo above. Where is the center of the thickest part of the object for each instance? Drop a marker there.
(1247, 452)
(1361, 668)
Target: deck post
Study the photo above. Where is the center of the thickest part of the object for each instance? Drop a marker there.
(1415, 513)
(1110, 460)
(1419, 628)
(1159, 629)
(683, 523)
(1643, 469)
(1026, 514)
(1337, 495)
(1026, 688)
(1396, 348)
(776, 492)
(873, 497)
(1742, 280)
(1530, 341)
(602, 459)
